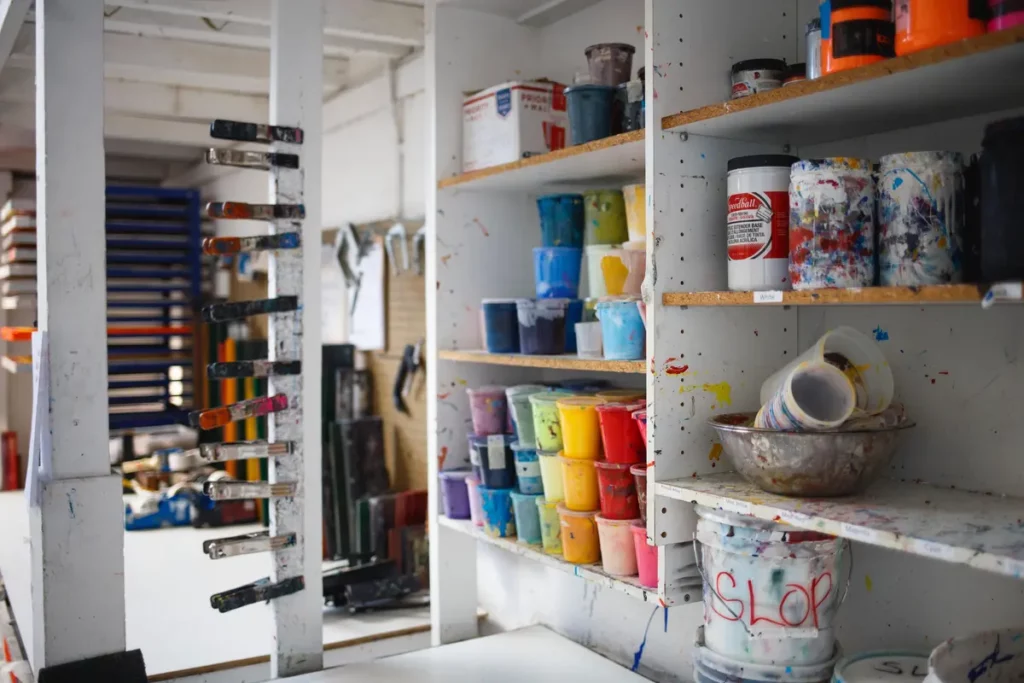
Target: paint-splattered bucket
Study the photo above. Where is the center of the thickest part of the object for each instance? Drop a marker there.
(476, 508)
(550, 526)
(620, 433)
(712, 667)
(641, 422)
(604, 214)
(590, 112)
(579, 481)
(616, 491)
(556, 272)
(618, 553)
(547, 430)
(986, 657)
(501, 325)
(527, 469)
(595, 276)
(488, 407)
(646, 556)
(636, 211)
(581, 433)
(551, 476)
(622, 329)
(499, 519)
(771, 592)
(524, 507)
(639, 473)
(580, 544)
(883, 666)
(521, 412)
(542, 326)
(561, 220)
(493, 461)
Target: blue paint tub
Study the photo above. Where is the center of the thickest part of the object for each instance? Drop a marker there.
(542, 326)
(524, 507)
(561, 220)
(573, 315)
(622, 329)
(501, 325)
(590, 112)
(493, 460)
(499, 519)
(556, 272)
(527, 468)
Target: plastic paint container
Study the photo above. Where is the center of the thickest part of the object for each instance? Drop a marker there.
(547, 430)
(616, 490)
(550, 526)
(556, 272)
(456, 495)
(588, 340)
(604, 217)
(590, 308)
(595, 276)
(527, 469)
(521, 412)
(622, 329)
(501, 325)
(641, 422)
(581, 433)
(614, 272)
(610, 63)
(584, 385)
(883, 666)
(639, 473)
(590, 112)
(629, 106)
(752, 76)
(489, 409)
(832, 224)
(618, 552)
(862, 33)
(579, 482)
(646, 555)
(561, 220)
(580, 544)
(855, 354)
(921, 212)
(1002, 201)
(493, 460)
(757, 224)
(551, 476)
(542, 326)
(499, 519)
(619, 432)
(636, 211)
(573, 315)
(816, 396)
(1004, 15)
(712, 667)
(987, 657)
(813, 36)
(921, 24)
(476, 510)
(791, 580)
(622, 395)
(635, 263)
(524, 507)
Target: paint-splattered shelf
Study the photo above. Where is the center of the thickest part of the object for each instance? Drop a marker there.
(980, 530)
(614, 161)
(591, 572)
(868, 296)
(893, 94)
(567, 362)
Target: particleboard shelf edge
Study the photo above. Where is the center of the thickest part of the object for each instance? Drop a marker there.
(933, 294)
(567, 362)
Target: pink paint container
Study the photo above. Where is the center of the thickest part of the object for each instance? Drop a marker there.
(618, 553)
(1005, 15)
(646, 556)
(488, 407)
(476, 510)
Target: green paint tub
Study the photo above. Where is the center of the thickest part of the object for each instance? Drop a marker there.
(604, 214)
(550, 526)
(546, 428)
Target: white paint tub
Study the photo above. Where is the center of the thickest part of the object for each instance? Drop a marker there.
(711, 667)
(771, 591)
(883, 666)
(986, 657)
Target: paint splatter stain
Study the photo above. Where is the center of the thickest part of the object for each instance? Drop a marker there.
(677, 369)
(933, 380)
(715, 454)
(441, 458)
(867, 582)
(482, 227)
(896, 183)
(461, 381)
(943, 372)
(756, 334)
(880, 334)
(722, 392)
(441, 397)
(445, 259)
(643, 643)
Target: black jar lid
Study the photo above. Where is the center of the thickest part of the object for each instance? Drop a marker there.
(759, 65)
(838, 5)
(762, 160)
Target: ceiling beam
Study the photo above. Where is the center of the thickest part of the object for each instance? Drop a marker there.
(381, 22)
(12, 16)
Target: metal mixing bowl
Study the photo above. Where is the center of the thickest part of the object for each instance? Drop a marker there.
(816, 464)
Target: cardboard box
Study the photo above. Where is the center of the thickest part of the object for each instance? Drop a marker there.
(512, 121)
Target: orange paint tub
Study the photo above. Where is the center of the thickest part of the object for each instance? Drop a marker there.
(580, 544)
(581, 433)
(579, 483)
(861, 33)
(921, 24)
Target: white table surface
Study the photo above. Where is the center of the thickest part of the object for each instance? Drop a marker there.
(530, 655)
(168, 583)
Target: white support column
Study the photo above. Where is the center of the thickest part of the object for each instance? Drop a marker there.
(296, 93)
(77, 533)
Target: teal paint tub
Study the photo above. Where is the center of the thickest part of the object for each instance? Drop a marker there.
(524, 507)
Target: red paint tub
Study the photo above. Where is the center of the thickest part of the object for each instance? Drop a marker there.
(641, 422)
(646, 556)
(639, 473)
(616, 491)
(620, 433)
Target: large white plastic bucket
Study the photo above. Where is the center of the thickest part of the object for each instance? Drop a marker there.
(771, 592)
(986, 657)
(711, 667)
(882, 666)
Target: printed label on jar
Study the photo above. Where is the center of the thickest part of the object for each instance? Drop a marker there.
(496, 452)
(747, 83)
(758, 225)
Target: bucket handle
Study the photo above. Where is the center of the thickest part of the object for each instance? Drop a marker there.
(698, 558)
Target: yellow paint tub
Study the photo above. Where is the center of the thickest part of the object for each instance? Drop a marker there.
(551, 476)
(550, 526)
(581, 428)
(580, 543)
(615, 272)
(636, 211)
(546, 427)
(579, 478)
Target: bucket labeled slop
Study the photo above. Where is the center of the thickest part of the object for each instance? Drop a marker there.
(987, 657)
(816, 396)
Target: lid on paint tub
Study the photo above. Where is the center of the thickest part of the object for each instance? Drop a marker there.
(839, 5)
(883, 666)
(563, 510)
(762, 161)
(759, 65)
(516, 446)
(498, 301)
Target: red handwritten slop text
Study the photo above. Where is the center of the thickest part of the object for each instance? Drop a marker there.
(786, 619)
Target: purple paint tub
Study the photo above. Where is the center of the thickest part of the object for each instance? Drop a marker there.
(455, 493)
(489, 408)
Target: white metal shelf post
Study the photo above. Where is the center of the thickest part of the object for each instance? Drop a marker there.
(296, 96)
(77, 531)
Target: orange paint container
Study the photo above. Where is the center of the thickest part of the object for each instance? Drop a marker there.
(861, 33)
(921, 24)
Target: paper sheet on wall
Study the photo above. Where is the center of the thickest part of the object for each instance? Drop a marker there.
(334, 296)
(367, 331)
(39, 454)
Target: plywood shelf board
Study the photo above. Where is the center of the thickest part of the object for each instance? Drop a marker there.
(618, 159)
(937, 294)
(947, 82)
(981, 530)
(592, 573)
(567, 362)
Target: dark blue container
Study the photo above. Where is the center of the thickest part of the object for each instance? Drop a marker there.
(542, 326)
(493, 460)
(501, 325)
(584, 385)
(561, 220)
(556, 272)
(573, 315)
(590, 112)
